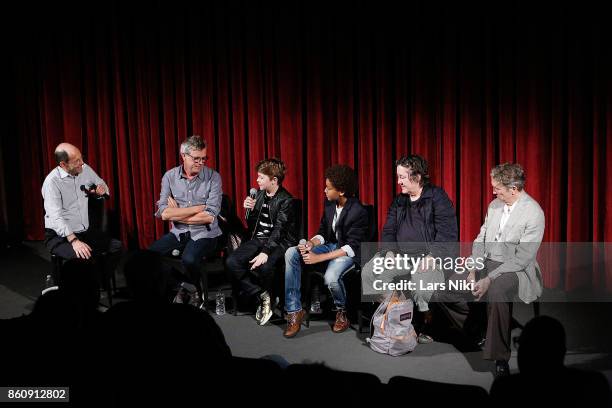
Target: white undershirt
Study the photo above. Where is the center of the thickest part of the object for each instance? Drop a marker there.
(504, 219)
(347, 248)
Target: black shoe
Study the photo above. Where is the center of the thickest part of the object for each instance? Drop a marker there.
(502, 369)
(481, 343)
(424, 338)
(179, 297)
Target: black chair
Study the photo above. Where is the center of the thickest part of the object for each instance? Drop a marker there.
(353, 274)
(98, 222)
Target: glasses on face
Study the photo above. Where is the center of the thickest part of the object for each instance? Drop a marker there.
(203, 159)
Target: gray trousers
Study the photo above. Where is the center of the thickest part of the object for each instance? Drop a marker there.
(499, 298)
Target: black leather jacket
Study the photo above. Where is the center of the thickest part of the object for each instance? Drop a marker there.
(282, 214)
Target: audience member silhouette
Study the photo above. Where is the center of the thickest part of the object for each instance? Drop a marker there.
(543, 377)
(146, 277)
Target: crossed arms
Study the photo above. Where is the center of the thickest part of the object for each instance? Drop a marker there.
(194, 215)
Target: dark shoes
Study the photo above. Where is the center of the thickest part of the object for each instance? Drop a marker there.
(180, 296)
(502, 369)
(481, 343)
(342, 323)
(294, 323)
(188, 293)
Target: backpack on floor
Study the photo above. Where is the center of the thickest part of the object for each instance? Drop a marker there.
(392, 330)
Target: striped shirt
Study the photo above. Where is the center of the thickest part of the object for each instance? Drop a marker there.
(264, 225)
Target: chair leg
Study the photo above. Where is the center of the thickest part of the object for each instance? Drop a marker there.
(114, 281)
(56, 268)
(204, 283)
(536, 308)
(109, 292)
(107, 276)
(308, 300)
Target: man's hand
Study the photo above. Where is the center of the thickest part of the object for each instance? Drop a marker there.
(259, 260)
(306, 247)
(172, 203)
(310, 258)
(249, 203)
(471, 276)
(81, 249)
(427, 264)
(101, 190)
(481, 287)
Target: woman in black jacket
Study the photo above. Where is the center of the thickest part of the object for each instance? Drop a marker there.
(421, 223)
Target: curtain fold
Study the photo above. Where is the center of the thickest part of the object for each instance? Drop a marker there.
(350, 83)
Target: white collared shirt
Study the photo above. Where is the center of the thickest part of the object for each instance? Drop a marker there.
(347, 248)
(66, 205)
(504, 219)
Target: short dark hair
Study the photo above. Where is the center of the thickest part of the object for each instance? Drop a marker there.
(272, 167)
(61, 156)
(418, 167)
(343, 178)
(510, 175)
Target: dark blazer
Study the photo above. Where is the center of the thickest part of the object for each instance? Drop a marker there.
(439, 227)
(282, 214)
(352, 226)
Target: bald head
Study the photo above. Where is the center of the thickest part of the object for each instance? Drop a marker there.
(69, 158)
(64, 152)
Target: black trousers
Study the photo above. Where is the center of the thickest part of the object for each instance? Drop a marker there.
(251, 282)
(99, 242)
(499, 297)
(192, 254)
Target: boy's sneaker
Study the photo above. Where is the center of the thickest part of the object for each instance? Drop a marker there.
(264, 310)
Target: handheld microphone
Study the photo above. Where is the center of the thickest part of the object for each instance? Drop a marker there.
(91, 191)
(252, 194)
(303, 242)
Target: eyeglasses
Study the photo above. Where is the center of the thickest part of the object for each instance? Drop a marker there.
(198, 159)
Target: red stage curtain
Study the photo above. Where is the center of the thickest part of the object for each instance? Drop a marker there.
(353, 83)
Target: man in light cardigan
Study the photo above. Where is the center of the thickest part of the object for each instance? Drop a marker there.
(508, 243)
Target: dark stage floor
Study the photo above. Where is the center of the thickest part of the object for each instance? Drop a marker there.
(589, 332)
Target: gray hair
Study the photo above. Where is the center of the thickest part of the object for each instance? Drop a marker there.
(509, 175)
(194, 142)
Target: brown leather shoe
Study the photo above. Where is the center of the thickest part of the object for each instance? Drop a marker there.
(342, 322)
(294, 323)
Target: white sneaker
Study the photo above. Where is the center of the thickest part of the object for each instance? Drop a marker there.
(258, 313)
(265, 309)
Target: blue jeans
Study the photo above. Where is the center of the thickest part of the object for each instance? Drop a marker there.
(336, 269)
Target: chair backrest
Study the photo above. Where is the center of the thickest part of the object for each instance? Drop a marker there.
(299, 217)
(373, 223)
(98, 215)
(229, 222)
